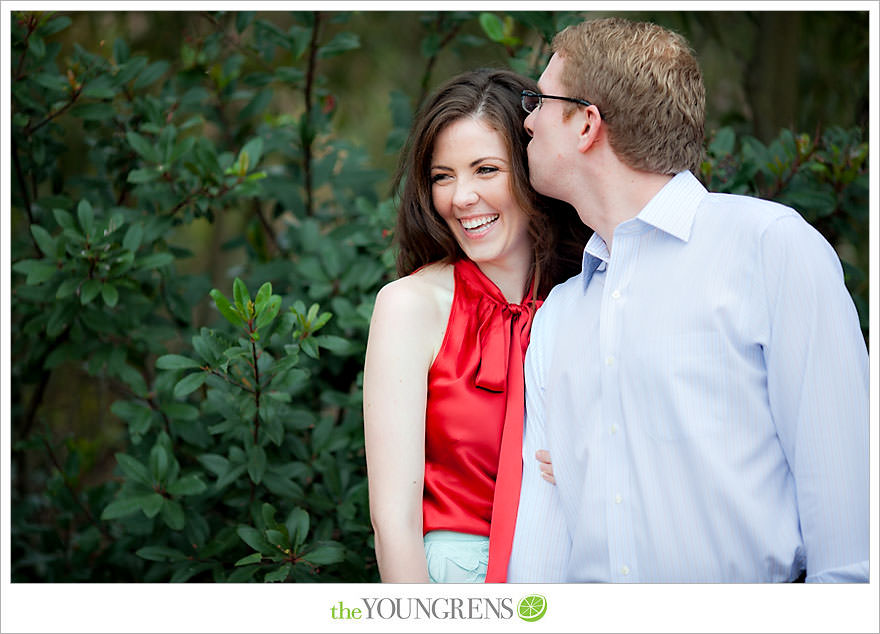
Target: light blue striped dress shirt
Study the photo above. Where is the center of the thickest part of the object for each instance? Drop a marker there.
(703, 392)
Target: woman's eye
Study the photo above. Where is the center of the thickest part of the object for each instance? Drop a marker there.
(436, 178)
(486, 169)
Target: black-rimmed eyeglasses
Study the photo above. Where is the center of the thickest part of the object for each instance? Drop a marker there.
(532, 100)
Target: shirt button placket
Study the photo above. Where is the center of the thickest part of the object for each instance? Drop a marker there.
(618, 514)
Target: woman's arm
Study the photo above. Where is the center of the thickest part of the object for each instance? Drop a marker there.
(399, 354)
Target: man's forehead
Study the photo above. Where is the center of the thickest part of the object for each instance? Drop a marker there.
(551, 72)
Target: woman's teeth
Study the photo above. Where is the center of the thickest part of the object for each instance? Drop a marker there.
(470, 224)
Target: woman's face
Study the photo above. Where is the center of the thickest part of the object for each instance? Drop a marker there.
(471, 188)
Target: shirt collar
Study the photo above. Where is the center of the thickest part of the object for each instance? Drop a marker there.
(671, 210)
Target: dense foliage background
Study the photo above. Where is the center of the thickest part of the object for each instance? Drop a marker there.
(202, 215)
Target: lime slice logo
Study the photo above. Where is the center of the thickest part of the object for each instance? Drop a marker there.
(532, 607)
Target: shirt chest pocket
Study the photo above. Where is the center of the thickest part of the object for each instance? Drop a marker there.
(677, 387)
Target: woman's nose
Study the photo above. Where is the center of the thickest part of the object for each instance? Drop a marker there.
(465, 195)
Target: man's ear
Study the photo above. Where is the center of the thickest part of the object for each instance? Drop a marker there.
(590, 124)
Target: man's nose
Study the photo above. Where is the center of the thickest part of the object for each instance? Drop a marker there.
(527, 124)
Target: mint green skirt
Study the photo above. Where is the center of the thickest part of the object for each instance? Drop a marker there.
(456, 557)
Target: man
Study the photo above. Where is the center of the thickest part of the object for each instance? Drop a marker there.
(702, 385)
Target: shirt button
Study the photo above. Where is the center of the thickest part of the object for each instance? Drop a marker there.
(609, 360)
(618, 498)
(613, 429)
(616, 294)
(624, 570)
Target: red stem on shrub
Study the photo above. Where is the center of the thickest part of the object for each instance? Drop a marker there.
(31, 27)
(19, 176)
(308, 135)
(29, 130)
(256, 389)
(429, 68)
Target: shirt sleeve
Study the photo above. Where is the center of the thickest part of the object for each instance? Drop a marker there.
(817, 379)
(541, 543)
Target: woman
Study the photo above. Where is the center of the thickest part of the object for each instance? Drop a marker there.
(443, 382)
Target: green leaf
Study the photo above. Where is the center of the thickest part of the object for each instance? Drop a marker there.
(279, 575)
(133, 378)
(242, 297)
(109, 294)
(99, 88)
(64, 219)
(67, 287)
(310, 347)
(254, 151)
(150, 74)
(120, 51)
(37, 271)
(121, 508)
(262, 298)
(723, 142)
(154, 260)
(297, 527)
(255, 539)
(133, 237)
(189, 383)
(340, 43)
(134, 469)
(151, 504)
(160, 461)
(492, 26)
(176, 362)
(230, 476)
(36, 46)
(160, 553)
(89, 291)
(324, 553)
(214, 463)
(334, 344)
(189, 485)
(269, 314)
(277, 538)
(268, 513)
(253, 558)
(145, 175)
(86, 217)
(55, 25)
(172, 514)
(51, 81)
(226, 309)
(181, 411)
(242, 20)
(256, 464)
(46, 242)
(142, 146)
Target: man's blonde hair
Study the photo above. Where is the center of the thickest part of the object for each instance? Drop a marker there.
(646, 82)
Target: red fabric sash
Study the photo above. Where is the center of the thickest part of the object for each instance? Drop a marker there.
(504, 337)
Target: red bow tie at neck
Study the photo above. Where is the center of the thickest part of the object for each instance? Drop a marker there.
(499, 323)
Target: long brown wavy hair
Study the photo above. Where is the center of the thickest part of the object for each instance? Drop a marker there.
(493, 96)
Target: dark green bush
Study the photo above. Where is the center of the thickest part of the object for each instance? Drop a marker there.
(233, 446)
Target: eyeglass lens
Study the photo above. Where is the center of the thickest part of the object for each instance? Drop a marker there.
(530, 101)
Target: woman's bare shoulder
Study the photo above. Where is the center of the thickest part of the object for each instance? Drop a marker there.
(424, 292)
(417, 307)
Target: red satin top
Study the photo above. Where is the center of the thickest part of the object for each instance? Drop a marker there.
(474, 421)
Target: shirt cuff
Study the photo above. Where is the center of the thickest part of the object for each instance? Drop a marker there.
(852, 573)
